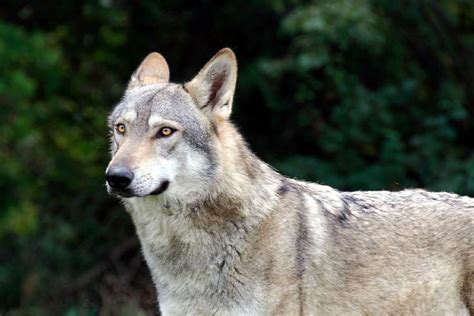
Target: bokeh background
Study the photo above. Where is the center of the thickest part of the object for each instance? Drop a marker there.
(358, 94)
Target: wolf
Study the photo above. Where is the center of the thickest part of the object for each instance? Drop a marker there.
(223, 233)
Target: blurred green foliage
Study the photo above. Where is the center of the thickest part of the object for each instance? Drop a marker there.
(357, 94)
(390, 82)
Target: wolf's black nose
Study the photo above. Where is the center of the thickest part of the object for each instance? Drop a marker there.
(119, 177)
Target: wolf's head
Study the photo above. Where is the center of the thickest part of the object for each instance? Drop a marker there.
(164, 135)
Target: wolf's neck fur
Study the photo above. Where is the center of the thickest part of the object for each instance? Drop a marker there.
(195, 248)
(243, 179)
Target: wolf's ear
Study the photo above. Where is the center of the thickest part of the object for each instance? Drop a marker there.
(214, 85)
(153, 69)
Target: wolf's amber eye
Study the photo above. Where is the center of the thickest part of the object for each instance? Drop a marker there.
(165, 132)
(120, 128)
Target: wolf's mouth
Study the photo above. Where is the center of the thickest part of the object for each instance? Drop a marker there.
(123, 193)
(127, 193)
(162, 188)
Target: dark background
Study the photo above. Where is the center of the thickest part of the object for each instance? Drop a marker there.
(357, 94)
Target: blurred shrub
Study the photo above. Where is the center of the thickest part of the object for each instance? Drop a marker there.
(375, 93)
(53, 151)
(25, 73)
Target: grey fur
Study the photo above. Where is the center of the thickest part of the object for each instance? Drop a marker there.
(231, 236)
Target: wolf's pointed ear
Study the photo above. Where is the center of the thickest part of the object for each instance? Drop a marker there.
(213, 87)
(153, 69)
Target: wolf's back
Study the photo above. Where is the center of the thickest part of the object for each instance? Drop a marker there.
(389, 251)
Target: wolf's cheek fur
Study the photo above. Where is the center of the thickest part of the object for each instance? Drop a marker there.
(187, 171)
(151, 174)
(191, 176)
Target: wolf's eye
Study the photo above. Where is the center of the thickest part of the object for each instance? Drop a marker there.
(120, 128)
(165, 131)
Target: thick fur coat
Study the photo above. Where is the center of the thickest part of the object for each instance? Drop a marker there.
(225, 234)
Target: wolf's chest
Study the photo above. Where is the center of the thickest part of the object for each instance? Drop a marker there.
(195, 267)
(195, 279)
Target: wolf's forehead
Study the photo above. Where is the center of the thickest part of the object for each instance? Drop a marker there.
(169, 102)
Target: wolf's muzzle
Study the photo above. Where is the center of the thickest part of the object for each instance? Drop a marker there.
(119, 177)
